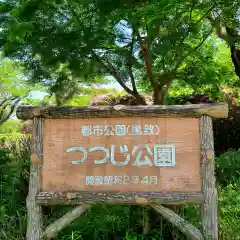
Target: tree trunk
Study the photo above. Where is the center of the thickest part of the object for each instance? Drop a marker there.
(161, 90)
(140, 99)
(235, 55)
(231, 37)
(58, 101)
(158, 96)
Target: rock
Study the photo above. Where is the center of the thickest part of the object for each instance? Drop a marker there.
(27, 127)
(126, 100)
(106, 99)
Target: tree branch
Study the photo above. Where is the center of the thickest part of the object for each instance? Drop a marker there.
(146, 55)
(219, 30)
(4, 104)
(4, 101)
(201, 43)
(185, 227)
(12, 108)
(129, 65)
(216, 23)
(113, 72)
(197, 47)
(190, 12)
(198, 21)
(205, 14)
(165, 84)
(132, 78)
(53, 229)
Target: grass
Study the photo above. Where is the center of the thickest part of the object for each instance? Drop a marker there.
(102, 222)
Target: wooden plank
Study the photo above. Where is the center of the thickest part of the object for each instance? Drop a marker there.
(50, 198)
(34, 221)
(209, 206)
(217, 110)
(53, 229)
(132, 159)
(185, 227)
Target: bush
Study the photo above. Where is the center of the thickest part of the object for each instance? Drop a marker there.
(11, 126)
(228, 168)
(229, 207)
(228, 179)
(109, 222)
(14, 164)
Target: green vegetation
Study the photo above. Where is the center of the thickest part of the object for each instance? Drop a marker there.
(72, 49)
(109, 222)
(10, 126)
(143, 45)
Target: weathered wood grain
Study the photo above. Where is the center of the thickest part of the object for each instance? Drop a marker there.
(216, 110)
(53, 229)
(191, 232)
(60, 175)
(49, 198)
(34, 221)
(209, 206)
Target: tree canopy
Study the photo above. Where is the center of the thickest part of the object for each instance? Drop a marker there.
(12, 88)
(144, 45)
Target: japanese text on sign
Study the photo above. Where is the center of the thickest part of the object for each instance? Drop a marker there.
(120, 130)
(97, 180)
(163, 155)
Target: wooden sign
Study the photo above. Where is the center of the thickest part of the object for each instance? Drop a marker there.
(139, 154)
(127, 154)
(121, 153)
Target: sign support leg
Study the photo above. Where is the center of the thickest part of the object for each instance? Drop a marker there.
(34, 222)
(53, 229)
(188, 229)
(209, 206)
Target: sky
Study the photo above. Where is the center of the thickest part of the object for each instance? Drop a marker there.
(40, 94)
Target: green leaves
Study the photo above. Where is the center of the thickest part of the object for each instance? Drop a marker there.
(98, 38)
(13, 87)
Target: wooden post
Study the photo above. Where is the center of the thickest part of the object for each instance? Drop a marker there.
(34, 222)
(53, 229)
(215, 110)
(205, 194)
(188, 229)
(209, 206)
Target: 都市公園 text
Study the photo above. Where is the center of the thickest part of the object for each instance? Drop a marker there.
(120, 130)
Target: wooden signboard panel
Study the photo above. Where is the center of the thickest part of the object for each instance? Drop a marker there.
(121, 155)
(143, 154)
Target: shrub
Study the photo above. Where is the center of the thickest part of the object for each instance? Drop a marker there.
(229, 208)
(108, 222)
(228, 168)
(11, 126)
(228, 179)
(14, 164)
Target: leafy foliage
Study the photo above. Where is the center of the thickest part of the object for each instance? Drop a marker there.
(163, 48)
(86, 96)
(225, 172)
(10, 126)
(229, 204)
(66, 43)
(228, 173)
(11, 89)
(14, 87)
(14, 167)
(108, 222)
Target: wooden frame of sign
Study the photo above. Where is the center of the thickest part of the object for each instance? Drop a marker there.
(186, 178)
